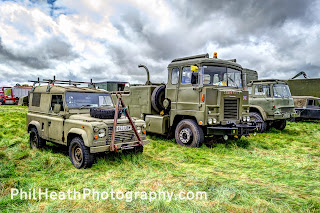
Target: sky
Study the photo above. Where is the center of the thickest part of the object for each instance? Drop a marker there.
(107, 40)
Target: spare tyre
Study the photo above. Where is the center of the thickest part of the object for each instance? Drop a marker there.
(103, 113)
(157, 98)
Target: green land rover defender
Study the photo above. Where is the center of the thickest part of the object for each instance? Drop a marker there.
(81, 119)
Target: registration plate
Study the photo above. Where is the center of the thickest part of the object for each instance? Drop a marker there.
(123, 128)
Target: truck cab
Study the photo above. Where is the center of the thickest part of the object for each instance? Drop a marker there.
(271, 103)
(203, 98)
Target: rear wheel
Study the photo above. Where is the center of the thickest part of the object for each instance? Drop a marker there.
(280, 124)
(262, 125)
(79, 154)
(35, 141)
(189, 134)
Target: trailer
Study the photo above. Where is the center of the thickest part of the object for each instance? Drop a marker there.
(11, 95)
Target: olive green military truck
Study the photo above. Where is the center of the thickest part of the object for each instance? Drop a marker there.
(203, 97)
(270, 102)
(81, 119)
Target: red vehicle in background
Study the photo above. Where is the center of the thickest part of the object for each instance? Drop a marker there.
(11, 95)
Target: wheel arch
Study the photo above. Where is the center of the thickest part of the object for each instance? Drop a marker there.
(259, 110)
(75, 132)
(179, 118)
(34, 124)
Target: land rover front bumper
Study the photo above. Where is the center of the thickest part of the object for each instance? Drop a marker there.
(120, 146)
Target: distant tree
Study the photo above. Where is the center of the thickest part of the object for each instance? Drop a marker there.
(25, 85)
(18, 85)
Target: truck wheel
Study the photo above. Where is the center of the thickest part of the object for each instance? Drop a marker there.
(280, 124)
(262, 125)
(79, 154)
(157, 98)
(35, 141)
(103, 113)
(189, 134)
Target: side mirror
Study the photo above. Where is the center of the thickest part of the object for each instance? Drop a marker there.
(57, 108)
(260, 89)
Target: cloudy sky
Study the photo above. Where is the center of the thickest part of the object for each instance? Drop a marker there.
(106, 40)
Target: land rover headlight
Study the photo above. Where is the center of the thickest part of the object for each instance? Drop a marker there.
(139, 129)
(248, 118)
(102, 133)
(210, 121)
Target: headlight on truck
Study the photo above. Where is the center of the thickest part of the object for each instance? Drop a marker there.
(212, 121)
(248, 118)
(101, 133)
(244, 118)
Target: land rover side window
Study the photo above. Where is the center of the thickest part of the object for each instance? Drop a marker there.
(250, 90)
(88, 99)
(56, 99)
(36, 99)
(186, 75)
(317, 103)
(281, 90)
(206, 79)
(175, 76)
(265, 90)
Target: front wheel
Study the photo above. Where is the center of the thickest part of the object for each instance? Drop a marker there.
(79, 154)
(280, 124)
(262, 125)
(36, 142)
(189, 134)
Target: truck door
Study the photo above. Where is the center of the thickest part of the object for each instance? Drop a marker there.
(188, 97)
(172, 87)
(55, 120)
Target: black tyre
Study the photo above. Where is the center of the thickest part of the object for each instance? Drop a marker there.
(103, 113)
(262, 125)
(79, 154)
(157, 98)
(280, 124)
(35, 141)
(189, 134)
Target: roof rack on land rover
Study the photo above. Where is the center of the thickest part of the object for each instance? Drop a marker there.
(53, 81)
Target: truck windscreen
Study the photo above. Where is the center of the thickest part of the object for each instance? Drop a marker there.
(85, 99)
(281, 90)
(222, 76)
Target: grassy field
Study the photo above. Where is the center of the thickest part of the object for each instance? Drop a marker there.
(272, 172)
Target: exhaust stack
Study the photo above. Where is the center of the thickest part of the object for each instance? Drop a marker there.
(148, 82)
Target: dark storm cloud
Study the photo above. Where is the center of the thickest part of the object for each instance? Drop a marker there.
(239, 22)
(41, 56)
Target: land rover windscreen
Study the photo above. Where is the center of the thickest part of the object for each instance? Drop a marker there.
(88, 100)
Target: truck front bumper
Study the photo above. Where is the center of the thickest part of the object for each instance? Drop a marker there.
(120, 146)
(235, 129)
(286, 115)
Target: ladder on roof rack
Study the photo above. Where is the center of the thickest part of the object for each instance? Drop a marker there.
(54, 81)
(114, 148)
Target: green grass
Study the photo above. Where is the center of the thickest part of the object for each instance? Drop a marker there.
(272, 172)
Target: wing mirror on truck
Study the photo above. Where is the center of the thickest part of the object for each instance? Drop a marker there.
(57, 108)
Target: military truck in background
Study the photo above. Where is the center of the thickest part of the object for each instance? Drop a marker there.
(83, 120)
(203, 98)
(270, 103)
